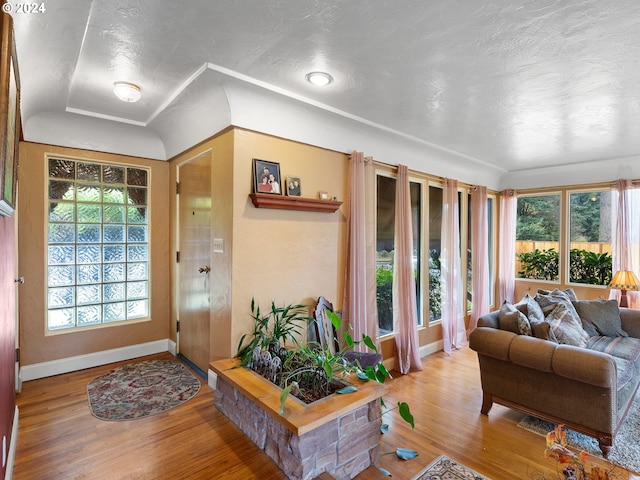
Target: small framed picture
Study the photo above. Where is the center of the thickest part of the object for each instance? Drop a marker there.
(323, 195)
(293, 186)
(266, 177)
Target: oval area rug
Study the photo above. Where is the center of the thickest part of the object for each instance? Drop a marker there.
(141, 389)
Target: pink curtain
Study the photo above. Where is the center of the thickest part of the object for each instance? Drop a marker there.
(479, 255)
(507, 245)
(405, 312)
(359, 307)
(453, 331)
(626, 230)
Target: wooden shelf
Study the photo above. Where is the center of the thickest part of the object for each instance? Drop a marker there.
(267, 200)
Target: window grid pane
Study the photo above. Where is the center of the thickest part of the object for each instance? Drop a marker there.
(98, 251)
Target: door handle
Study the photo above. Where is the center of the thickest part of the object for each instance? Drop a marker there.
(204, 269)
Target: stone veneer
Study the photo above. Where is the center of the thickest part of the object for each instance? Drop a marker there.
(342, 447)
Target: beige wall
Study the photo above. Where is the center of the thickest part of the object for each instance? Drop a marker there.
(284, 255)
(37, 347)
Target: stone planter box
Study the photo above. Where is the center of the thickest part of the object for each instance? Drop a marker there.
(339, 434)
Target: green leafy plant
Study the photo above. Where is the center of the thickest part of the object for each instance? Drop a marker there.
(280, 324)
(584, 266)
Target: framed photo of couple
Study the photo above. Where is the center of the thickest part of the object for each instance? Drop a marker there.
(266, 177)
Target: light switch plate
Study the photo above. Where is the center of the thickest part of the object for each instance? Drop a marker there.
(218, 245)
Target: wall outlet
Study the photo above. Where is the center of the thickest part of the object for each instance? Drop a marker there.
(218, 245)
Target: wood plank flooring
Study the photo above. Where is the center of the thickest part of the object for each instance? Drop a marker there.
(58, 438)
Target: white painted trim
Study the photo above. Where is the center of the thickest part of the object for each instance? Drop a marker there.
(430, 348)
(172, 347)
(12, 447)
(71, 364)
(212, 379)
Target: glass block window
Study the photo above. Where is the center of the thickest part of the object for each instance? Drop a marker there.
(97, 244)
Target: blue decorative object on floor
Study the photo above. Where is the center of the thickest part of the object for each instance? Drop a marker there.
(141, 389)
(445, 468)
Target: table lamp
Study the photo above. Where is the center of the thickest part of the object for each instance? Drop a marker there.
(624, 280)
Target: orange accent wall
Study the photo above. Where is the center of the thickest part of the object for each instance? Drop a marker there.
(38, 347)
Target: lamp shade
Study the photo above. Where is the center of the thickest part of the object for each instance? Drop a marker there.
(625, 280)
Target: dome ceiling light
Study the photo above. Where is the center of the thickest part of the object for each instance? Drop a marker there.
(127, 92)
(319, 79)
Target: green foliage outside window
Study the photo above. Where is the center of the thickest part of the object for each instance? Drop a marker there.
(584, 266)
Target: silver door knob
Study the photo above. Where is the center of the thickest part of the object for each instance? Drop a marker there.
(204, 269)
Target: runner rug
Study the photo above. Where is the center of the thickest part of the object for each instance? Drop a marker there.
(445, 468)
(141, 389)
(626, 447)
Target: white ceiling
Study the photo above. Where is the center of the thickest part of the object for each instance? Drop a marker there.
(517, 84)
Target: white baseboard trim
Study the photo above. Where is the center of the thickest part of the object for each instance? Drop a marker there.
(173, 348)
(12, 446)
(80, 362)
(212, 379)
(430, 348)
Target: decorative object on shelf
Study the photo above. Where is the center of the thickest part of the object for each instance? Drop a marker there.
(9, 129)
(266, 177)
(293, 186)
(624, 280)
(323, 195)
(261, 200)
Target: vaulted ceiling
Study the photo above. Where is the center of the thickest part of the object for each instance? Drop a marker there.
(508, 84)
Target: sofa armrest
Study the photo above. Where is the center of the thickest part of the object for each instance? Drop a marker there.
(586, 366)
(491, 342)
(630, 321)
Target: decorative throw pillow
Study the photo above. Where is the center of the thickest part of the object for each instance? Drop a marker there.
(513, 320)
(566, 325)
(600, 317)
(542, 329)
(534, 312)
(569, 292)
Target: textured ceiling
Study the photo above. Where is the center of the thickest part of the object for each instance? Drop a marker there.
(513, 83)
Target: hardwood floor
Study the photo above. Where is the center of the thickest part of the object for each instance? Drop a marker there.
(58, 438)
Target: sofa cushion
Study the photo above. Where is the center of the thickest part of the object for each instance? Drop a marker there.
(627, 348)
(534, 312)
(569, 292)
(600, 317)
(513, 320)
(566, 325)
(543, 330)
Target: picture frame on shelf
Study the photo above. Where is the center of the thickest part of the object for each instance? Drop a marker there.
(294, 186)
(9, 119)
(266, 177)
(323, 195)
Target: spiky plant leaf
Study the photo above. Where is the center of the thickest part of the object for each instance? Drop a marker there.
(406, 453)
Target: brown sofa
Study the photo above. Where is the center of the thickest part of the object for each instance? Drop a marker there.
(587, 390)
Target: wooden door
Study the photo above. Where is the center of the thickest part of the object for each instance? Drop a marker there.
(194, 233)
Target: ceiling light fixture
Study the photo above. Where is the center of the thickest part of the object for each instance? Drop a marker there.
(319, 79)
(127, 92)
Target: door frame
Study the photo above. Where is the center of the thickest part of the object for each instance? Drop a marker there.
(177, 239)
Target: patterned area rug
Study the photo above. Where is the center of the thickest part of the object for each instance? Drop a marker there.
(138, 390)
(443, 468)
(626, 448)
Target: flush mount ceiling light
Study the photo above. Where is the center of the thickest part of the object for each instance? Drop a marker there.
(319, 79)
(127, 92)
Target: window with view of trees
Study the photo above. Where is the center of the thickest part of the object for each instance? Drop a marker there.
(435, 248)
(97, 244)
(590, 237)
(538, 237)
(385, 233)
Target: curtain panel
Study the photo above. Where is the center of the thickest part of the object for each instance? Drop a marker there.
(479, 255)
(359, 307)
(507, 245)
(453, 331)
(405, 311)
(626, 232)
